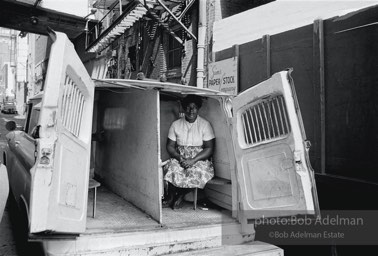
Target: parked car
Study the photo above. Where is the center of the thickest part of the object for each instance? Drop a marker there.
(9, 107)
(4, 189)
(261, 150)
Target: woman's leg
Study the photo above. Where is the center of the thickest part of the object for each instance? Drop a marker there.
(170, 196)
(179, 200)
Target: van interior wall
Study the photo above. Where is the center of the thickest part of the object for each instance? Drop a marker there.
(224, 162)
(169, 112)
(128, 155)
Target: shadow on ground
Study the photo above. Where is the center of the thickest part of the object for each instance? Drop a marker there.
(339, 194)
(18, 224)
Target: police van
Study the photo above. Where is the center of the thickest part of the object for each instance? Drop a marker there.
(261, 164)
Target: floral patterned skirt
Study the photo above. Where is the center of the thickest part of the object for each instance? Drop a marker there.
(195, 176)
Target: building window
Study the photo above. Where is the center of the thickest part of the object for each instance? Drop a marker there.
(132, 58)
(174, 53)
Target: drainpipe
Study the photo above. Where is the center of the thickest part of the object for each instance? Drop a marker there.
(202, 26)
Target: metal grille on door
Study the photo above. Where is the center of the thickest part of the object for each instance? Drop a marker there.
(72, 106)
(265, 121)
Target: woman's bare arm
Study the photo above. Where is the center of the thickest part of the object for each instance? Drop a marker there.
(207, 152)
(171, 148)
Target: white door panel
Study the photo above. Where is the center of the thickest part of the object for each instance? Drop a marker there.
(69, 156)
(59, 189)
(274, 175)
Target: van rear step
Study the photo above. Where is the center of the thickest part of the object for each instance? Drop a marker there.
(151, 243)
(252, 248)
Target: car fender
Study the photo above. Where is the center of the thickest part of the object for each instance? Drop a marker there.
(24, 208)
(4, 188)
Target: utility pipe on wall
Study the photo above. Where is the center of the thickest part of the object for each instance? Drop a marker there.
(202, 26)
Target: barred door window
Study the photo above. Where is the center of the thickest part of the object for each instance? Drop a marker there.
(265, 121)
(72, 107)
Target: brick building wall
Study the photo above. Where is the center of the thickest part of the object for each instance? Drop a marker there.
(40, 48)
(157, 59)
(42, 51)
(151, 50)
(189, 62)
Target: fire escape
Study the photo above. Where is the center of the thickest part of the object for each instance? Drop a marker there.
(122, 14)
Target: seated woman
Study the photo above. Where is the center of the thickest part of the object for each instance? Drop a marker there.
(190, 143)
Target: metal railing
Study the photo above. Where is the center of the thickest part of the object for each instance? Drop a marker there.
(107, 22)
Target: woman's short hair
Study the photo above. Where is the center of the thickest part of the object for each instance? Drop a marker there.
(191, 99)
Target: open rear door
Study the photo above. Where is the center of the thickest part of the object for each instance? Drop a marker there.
(273, 170)
(59, 187)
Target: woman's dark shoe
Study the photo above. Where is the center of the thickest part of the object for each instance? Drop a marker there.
(179, 202)
(166, 203)
(169, 196)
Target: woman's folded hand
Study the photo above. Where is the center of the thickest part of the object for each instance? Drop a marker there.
(188, 163)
